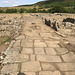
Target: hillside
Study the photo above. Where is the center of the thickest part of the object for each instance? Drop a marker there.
(44, 6)
(51, 2)
(56, 2)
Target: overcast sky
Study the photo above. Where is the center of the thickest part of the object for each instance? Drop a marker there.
(9, 3)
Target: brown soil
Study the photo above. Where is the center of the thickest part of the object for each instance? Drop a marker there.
(3, 46)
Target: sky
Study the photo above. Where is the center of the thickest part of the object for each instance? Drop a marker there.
(10, 3)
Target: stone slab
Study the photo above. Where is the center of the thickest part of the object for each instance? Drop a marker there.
(10, 68)
(48, 67)
(48, 58)
(50, 51)
(40, 44)
(69, 73)
(49, 73)
(39, 50)
(70, 57)
(29, 73)
(31, 66)
(66, 66)
(32, 57)
(61, 51)
(27, 51)
(27, 43)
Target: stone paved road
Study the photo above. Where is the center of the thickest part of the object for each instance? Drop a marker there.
(37, 51)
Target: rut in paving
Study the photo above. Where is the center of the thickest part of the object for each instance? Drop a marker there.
(37, 51)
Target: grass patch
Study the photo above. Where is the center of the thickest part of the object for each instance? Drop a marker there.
(4, 39)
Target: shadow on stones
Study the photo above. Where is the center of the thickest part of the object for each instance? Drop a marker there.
(69, 20)
(48, 23)
(21, 73)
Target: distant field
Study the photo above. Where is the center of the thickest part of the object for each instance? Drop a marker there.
(25, 7)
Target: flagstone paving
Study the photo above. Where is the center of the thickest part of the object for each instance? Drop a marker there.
(37, 51)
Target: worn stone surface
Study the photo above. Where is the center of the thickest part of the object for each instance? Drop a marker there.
(49, 73)
(48, 58)
(30, 73)
(61, 51)
(31, 66)
(66, 66)
(38, 50)
(10, 68)
(27, 51)
(32, 57)
(48, 67)
(50, 51)
(69, 57)
(40, 44)
(27, 43)
(52, 43)
(70, 73)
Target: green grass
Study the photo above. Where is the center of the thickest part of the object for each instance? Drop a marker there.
(65, 4)
(4, 39)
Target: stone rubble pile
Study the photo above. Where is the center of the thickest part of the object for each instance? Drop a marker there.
(56, 21)
(10, 27)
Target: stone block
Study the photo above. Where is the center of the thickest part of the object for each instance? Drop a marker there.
(50, 51)
(39, 50)
(49, 73)
(66, 66)
(31, 66)
(70, 57)
(48, 67)
(48, 58)
(27, 51)
(61, 51)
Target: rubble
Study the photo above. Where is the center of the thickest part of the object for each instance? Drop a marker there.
(10, 27)
(60, 22)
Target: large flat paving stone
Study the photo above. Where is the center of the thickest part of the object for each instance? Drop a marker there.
(48, 67)
(70, 57)
(12, 51)
(66, 66)
(39, 50)
(45, 34)
(32, 57)
(69, 73)
(27, 43)
(31, 66)
(61, 51)
(29, 73)
(49, 73)
(34, 38)
(10, 68)
(27, 51)
(16, 58)
(48, 58)
(40, 44)
(52, 43)
(50, 51)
